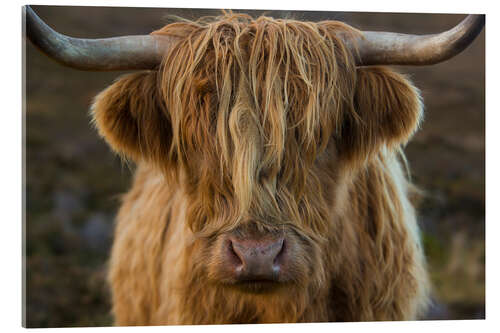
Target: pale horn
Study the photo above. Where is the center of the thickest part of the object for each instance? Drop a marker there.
(389, 48)
(105, 54)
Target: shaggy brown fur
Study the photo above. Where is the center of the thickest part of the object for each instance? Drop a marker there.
(264, 125)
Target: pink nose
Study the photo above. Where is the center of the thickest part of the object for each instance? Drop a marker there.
(256, 259)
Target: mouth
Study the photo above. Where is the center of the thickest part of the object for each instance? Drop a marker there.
(257, 286)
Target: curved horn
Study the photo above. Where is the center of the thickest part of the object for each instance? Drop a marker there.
(389, 48)
(106, 54)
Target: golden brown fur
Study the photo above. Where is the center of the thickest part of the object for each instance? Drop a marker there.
(268, 125)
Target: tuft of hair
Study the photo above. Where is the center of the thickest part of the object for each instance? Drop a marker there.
(259, 99)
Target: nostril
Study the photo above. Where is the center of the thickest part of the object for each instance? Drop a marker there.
(278, 260)
(233, 256)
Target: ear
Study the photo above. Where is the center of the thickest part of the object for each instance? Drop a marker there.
(387, 110)
(132, 118)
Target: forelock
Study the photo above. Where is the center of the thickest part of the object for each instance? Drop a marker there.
(253, 102)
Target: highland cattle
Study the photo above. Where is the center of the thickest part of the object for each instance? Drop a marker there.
(271, 183)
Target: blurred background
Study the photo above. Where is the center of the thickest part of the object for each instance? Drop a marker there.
(73, 181)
